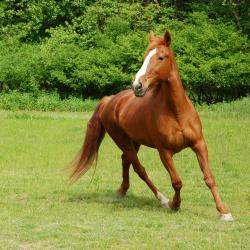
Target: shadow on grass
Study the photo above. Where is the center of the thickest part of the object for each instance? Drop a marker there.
(130, 201)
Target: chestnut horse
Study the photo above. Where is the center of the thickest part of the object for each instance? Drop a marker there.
(156, 113)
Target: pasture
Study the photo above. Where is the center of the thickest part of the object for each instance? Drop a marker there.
(39, 211)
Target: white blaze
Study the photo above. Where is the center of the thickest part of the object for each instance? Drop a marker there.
(144, 66)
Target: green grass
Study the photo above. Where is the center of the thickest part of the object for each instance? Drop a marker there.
(39, 211)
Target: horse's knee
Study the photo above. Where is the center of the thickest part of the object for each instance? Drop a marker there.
(210, 182)
(177, 185)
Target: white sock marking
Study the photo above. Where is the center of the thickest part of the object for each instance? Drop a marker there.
(226, 217)
(144, 66)
(164, 201)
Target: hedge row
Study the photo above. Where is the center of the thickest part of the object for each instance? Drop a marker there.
(97, 50)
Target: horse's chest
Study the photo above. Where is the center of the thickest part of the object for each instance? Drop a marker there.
(173, 136)
(172, 139)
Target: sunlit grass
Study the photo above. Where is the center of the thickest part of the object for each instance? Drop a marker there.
(39, 211)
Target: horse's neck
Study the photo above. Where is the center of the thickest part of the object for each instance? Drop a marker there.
(174, 94)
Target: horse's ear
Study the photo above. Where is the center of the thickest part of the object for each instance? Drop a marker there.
(167, 38)
(151, 36)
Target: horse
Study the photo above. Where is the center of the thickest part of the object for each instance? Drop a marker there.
(155, 112)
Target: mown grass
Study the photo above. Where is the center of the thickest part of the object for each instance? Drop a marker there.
(39, 210)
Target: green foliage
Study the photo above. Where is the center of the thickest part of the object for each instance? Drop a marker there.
(44, 102)
(32, 18)
(212, 59)
(231, 11)
(94, 48)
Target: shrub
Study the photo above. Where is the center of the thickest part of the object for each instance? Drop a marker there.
(44, 102)
(96, 50)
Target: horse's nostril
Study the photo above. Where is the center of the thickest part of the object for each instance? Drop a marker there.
(138, 86)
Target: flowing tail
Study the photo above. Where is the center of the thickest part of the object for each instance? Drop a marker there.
(89, 150)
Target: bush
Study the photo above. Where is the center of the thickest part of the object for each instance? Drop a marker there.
(212, 59)
(44, 102)
(98, 47)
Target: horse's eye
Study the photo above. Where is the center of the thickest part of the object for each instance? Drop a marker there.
(160, 58)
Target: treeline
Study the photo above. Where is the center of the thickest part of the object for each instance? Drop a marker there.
(89, 48)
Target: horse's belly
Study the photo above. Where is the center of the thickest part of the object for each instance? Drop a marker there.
(142, 139)
(138, 128)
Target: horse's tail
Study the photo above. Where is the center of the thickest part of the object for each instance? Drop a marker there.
(89, 150)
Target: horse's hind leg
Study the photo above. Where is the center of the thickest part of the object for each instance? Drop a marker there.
(202, 155)
(125, 173)
(167, 161)
(128, 148)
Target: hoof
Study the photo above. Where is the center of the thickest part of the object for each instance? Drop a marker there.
(120, 193)
(163, 200)
(226, 217)
(174, 208)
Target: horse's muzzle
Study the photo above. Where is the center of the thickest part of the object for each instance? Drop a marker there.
(140, 93)
(138, 89)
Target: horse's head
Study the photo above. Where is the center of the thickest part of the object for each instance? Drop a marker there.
(157, 64)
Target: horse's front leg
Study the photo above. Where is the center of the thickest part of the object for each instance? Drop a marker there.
(201, 151)
(166, 158)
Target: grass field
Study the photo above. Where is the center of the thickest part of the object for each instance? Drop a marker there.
(39, 211)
